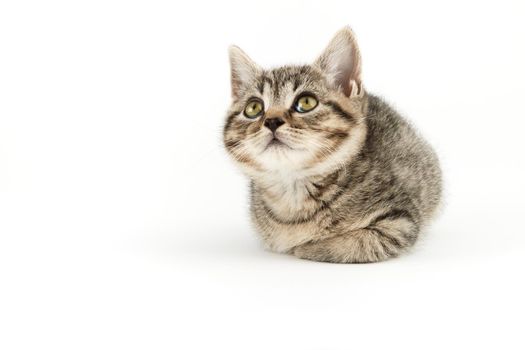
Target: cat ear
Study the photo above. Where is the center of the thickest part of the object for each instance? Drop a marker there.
(341, 63)
(243, 70)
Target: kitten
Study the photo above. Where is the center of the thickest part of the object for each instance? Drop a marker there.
(336, 174)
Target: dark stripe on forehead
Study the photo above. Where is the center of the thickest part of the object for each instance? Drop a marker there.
(276, 84)
(260, 85)
(340, 112)
(296, 83)
(262, 81)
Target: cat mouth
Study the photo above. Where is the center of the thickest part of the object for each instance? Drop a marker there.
(276, 143)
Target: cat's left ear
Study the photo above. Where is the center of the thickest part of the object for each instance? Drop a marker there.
(341, 63)
(243, 70)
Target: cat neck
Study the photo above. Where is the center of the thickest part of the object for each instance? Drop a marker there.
(291, 197)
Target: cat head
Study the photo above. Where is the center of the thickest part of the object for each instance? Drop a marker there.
(306, 120)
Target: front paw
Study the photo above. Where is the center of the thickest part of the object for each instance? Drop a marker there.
(312, 251)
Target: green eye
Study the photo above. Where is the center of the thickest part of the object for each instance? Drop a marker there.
(253, 109)
(305, 104)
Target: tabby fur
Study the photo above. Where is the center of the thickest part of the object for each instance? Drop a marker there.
(350, 181)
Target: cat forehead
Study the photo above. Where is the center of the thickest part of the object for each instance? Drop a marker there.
(281, 84)
(294, 76)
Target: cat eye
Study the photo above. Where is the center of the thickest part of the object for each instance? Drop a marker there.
(305, 103)
(253, 109)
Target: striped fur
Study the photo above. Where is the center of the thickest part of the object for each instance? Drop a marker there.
(351, 181)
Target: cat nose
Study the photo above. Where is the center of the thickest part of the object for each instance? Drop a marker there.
(273, 123)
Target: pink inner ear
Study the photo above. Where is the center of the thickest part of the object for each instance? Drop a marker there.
(355, 88)
(348, 79)
(351, 88)
(352, 85)
(341, 61)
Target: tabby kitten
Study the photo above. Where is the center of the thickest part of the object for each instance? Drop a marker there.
(336, 174)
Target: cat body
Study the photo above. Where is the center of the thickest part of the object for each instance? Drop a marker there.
(336, 174)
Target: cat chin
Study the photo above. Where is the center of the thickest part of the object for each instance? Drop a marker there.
(282, 158)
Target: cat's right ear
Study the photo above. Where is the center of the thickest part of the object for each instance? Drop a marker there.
(243, 70)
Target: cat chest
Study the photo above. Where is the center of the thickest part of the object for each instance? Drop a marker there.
(290, 203)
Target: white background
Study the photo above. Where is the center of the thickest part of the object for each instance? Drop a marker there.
(123, 224)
